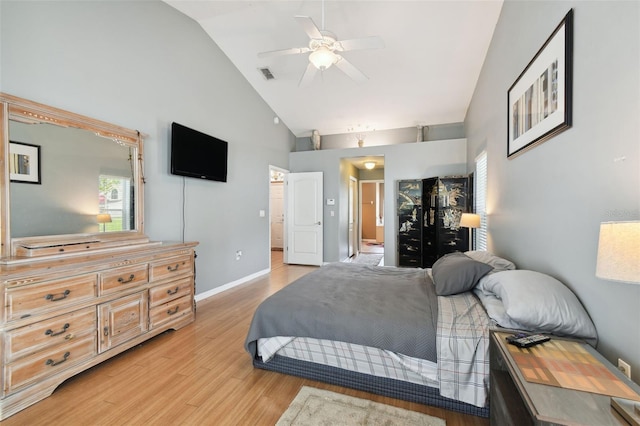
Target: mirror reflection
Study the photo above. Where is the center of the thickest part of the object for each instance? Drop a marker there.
(84, 185)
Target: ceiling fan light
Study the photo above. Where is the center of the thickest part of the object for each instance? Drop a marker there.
(322, 58)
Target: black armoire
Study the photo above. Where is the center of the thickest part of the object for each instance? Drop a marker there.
(429, 212)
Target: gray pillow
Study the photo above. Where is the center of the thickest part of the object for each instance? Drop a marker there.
(456, 273)
(498, 263)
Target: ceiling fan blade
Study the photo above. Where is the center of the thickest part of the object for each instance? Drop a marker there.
(291, 51)
(350, 70)
(373, 42)
(309, 27)
(308, 75)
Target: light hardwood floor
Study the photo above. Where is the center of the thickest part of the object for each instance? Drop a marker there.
(199, 375)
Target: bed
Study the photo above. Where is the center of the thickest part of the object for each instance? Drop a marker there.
(413, 334)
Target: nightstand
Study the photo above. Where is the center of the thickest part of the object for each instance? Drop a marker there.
(515, 401)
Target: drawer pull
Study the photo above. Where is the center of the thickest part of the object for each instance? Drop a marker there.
(54, 363)
(53, 297)
(57, 333)
(174, 291)
(173, 311)
(123, 281)
(175, 268)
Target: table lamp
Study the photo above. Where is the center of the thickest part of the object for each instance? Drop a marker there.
(619, 260)
(470, 220)
(104, 218)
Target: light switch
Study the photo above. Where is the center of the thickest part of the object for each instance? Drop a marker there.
(262, 213)
(333, 213)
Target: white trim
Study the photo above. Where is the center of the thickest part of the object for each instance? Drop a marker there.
(229, 286)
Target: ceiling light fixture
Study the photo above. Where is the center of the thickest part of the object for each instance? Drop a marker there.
(369, 165)
(322, 58)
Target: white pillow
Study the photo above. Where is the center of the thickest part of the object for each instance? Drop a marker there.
(498, 263)
(496, 311)
(539, 302)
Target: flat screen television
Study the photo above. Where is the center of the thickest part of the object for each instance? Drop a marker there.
(198, 155)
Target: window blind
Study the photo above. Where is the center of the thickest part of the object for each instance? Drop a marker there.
(480, 194)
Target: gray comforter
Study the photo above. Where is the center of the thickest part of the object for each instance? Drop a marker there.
(388, 308)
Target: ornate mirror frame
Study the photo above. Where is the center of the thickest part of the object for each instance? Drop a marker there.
(25, 248)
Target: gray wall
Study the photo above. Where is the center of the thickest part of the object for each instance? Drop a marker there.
(402, 161)
(545, 206)
(142, 65)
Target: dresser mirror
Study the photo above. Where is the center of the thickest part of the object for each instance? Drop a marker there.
(70, 183)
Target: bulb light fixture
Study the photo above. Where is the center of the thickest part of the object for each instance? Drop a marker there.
(369, 165)
(322, 58)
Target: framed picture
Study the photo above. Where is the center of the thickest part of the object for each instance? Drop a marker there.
(24, 162)
(539, 101)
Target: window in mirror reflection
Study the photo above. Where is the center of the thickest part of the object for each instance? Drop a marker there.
(115, 202)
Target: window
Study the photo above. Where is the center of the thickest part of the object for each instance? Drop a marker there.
(480, 204)
(114, 199)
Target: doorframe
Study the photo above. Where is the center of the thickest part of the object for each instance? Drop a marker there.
(284, 214)
(355, 204)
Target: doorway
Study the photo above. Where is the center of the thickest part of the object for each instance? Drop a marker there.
(365, 215)
(372, 216)
(276, 216)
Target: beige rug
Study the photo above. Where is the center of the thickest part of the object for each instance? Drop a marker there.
(320, 407)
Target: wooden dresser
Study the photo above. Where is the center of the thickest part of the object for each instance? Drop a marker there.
(63, 315)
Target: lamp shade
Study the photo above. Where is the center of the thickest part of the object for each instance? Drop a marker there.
(470, 220)
(104, 218)
(322, 58)
(619, 252)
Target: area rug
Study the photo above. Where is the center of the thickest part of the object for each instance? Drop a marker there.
(320, 407)
(368, 259)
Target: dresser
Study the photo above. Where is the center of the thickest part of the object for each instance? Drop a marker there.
(66, 314)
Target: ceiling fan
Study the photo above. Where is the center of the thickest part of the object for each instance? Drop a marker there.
(325, 49)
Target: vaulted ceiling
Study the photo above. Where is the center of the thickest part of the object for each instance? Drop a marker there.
(424, 75)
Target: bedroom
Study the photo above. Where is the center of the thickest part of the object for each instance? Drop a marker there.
(545, 205)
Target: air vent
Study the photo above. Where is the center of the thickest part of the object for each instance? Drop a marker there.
(266, 73)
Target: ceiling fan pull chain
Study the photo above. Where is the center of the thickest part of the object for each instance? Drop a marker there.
(323, 15)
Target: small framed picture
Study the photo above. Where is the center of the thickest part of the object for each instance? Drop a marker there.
(539, 101)
(24, 162)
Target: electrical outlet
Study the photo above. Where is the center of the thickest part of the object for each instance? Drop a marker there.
(238, 254)
(624, 367)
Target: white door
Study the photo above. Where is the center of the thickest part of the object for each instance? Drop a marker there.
(304, 218)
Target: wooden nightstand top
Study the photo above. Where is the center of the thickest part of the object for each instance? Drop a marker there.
(556, 405)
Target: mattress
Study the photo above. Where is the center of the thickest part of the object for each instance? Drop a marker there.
(352, 357)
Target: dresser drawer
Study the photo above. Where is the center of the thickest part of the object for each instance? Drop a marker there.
(123, 278)
(172, 267)
(173, 290)
(48, 362)
(171, 310)
(44, 334)
(49, 295)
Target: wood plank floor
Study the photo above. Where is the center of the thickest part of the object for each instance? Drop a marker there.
(199, 375)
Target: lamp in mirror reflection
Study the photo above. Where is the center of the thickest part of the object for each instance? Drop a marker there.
(104, 218)
(369, 165)
(619, 252)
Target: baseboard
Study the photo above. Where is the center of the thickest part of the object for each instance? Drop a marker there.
(228, 286)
